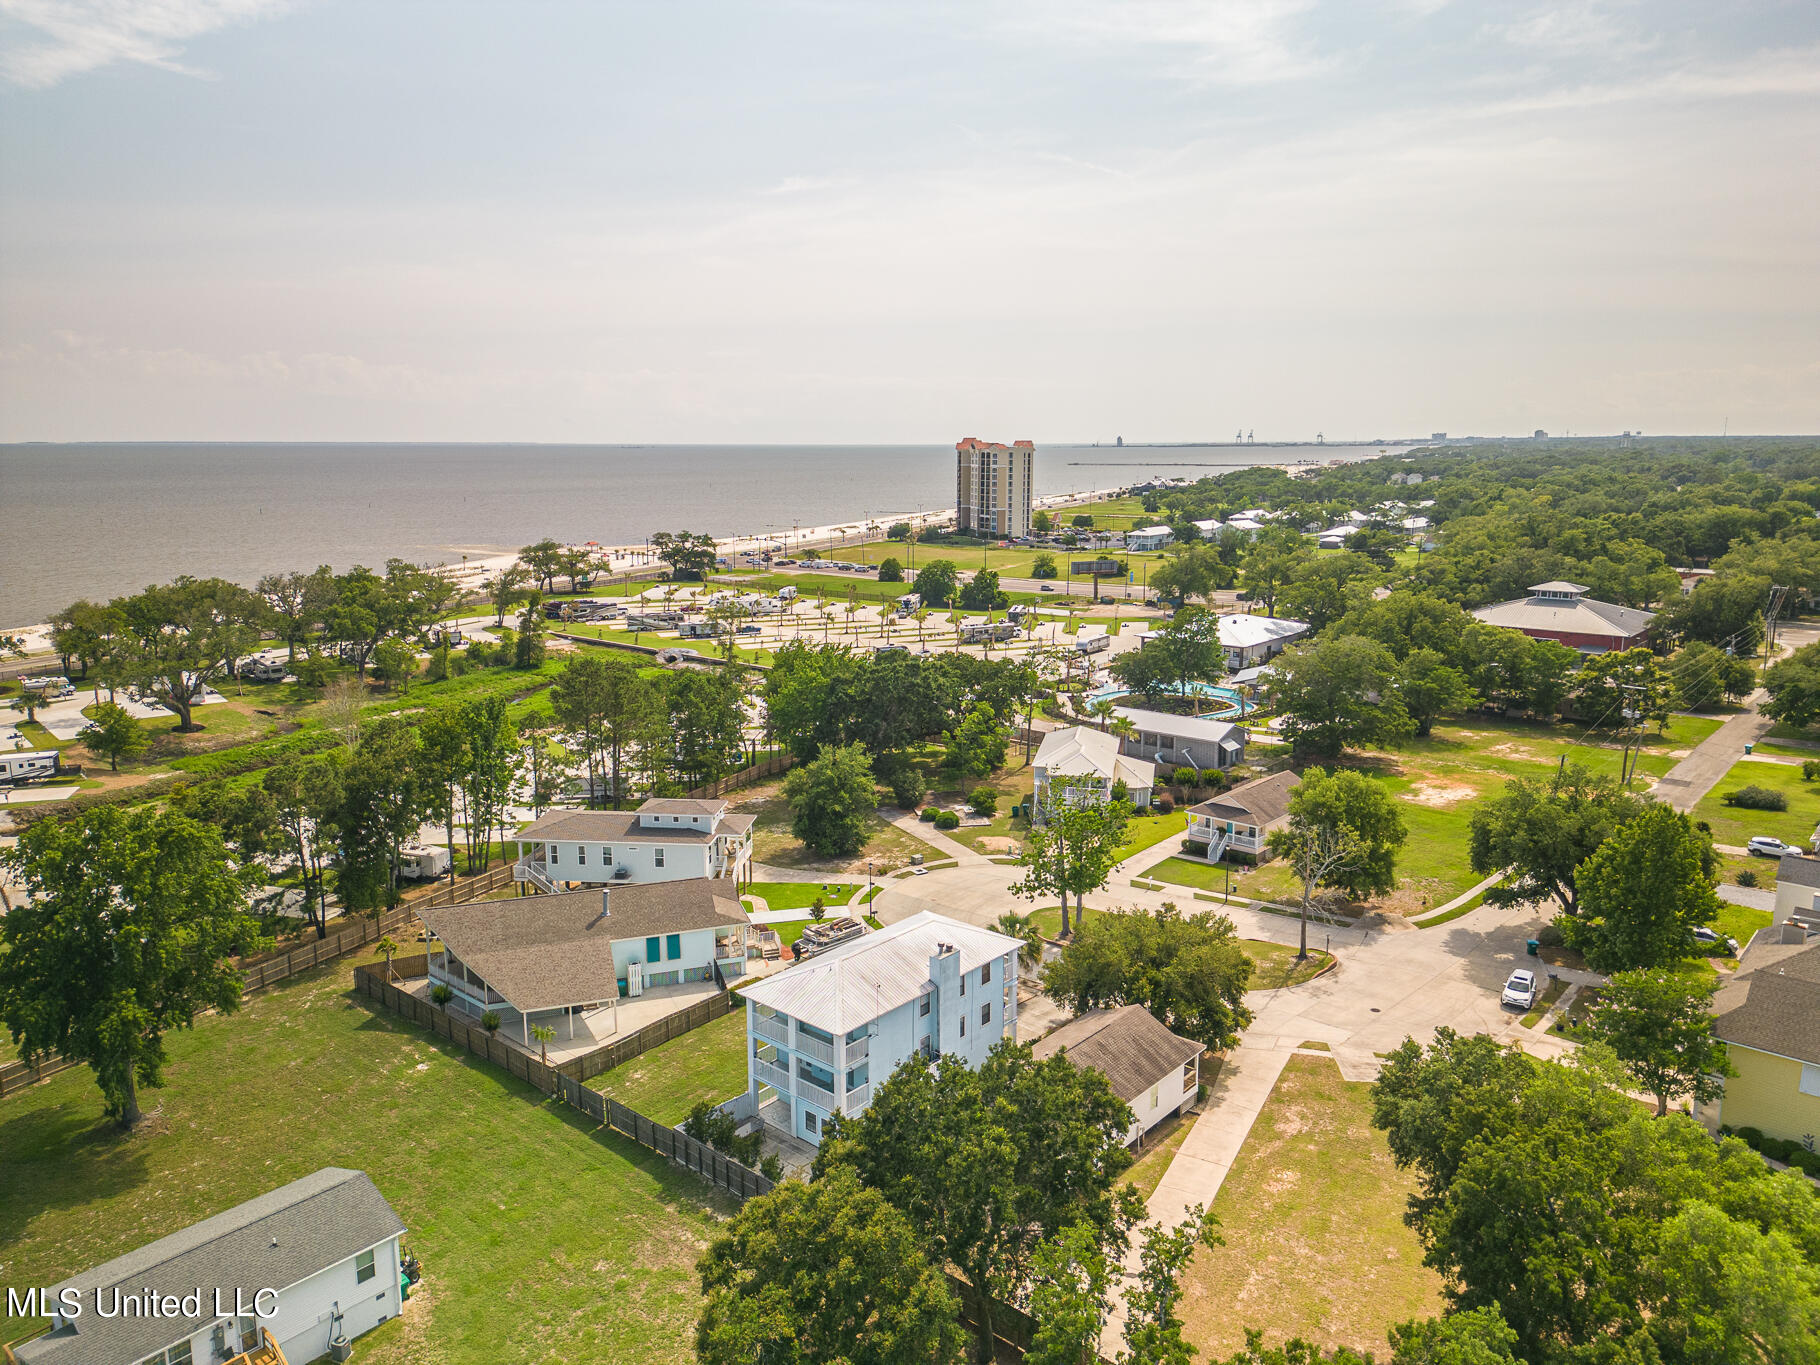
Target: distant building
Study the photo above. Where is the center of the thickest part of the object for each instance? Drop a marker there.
(664, 840)
(1182, 741)
(1154, 1071)
(1437, 436)
(1562, 612)
(1250, 640)
(1541, 435)
(1148, 538)
(992, 487)
(1237, 823)
(821, 1035)
(321, 1253)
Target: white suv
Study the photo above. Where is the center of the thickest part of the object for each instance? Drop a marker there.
(1522, 988)
(1771, 847)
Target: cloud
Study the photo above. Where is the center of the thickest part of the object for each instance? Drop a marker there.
(1232, 42)
(71, 37)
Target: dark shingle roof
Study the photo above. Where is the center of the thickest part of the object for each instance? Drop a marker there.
(272, 1241)
(1263, 800)
(1126, 1045)
(544, 952)
(1798, 869)
(1772, 1002)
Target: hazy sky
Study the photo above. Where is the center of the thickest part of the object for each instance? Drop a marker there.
(681, 221)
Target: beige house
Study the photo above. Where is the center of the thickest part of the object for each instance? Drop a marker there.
(1236, 823)
(1768, 1016)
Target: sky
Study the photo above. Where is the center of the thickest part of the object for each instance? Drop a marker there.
(694, 221)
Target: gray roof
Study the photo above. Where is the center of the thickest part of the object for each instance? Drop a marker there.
(544, 952)
(1799, 869)
(1577, 616)
(680, 805)
(1263, 800)
(621, 826)
(1772, 1002)
(1184, 727)
(272, 1241)
(1557, 585)
(1128, 1046)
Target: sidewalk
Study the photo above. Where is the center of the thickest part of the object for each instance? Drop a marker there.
(1697, 774)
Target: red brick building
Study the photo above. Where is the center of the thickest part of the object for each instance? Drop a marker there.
(1563, 613)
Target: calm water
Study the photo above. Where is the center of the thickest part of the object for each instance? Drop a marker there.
(101, 520)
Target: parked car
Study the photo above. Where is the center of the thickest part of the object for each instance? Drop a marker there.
(750, 630)
(1048, 587)
(1768, 846)
(1702, 934)
(1522, 988)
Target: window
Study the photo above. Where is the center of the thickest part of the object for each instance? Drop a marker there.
(581, 855)
(673, 946)
(176, 1355)
(963, 983)
(363, 1267)
(606, 856)
(963, 1026)
(555, 854)
(1810, 1079)
(922, 1009)
(808, 1120)
(1153, 1090)
(652, 946)
(985, 1014)
(985, 974)
(657, 858)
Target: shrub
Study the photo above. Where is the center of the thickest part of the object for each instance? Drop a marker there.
(1810, 769)
(1757, 798)
(479, 653)
(1551, 935)
(1187, 777)
(771, 1168)
(490, 1021)
(907, 786)
(947, 820)
(928, 815)
(442, 994)
(1746, 876)
(983, 801)
(1165, 804)
(890, 570)
(719, 1130)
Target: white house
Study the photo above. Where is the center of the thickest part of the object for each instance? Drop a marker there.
(665, 839)
(823, 1033)
(1088, 761)
(1182, 741)
(562, 954)
(1249, 639)
(1238, 822)
(1246, 525)
(1334, 537)
(1148, 538)
(1797, 886)
(1154, 1071)
(314, 1263)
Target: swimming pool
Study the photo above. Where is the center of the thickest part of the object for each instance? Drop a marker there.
(1236, 705)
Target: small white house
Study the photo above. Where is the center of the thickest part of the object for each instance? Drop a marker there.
(1088, 762)
(663, 840)
(1154, 1071)
(821, 1035)
(1148, 538)
(1250, 640)
(315, 1263)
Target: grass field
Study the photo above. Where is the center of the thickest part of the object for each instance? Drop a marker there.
(801, 895)
(1740, 921)
(1160, 1146)
(1276, 966)
(664, 1084)
(1312, 1214)
(539, 1240)
(1733, 825)
(887, 847)
(1150, 830)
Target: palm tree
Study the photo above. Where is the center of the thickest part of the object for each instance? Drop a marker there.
(1023, 928)
(389, 946)
(545, 1034)
(1102, 712)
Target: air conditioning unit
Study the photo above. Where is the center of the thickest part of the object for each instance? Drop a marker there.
(622, 873)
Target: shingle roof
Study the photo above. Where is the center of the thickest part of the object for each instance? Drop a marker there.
(1263, 799)
(1798, 869)
(272, 1241)
(1128, 1046)
(544, 952)
(680, 805)
(1080, 751)
(858, 981)
(1772, 1002)
(1577, 616)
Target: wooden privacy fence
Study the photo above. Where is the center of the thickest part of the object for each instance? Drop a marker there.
(745, 777)
(742, 1182)
(16, 1075)
(613, 1054)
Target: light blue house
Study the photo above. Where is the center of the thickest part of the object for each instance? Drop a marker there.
(821, 1034)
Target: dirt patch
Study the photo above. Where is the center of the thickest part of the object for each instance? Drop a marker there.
(1521, 752)
(1440, 793)
(995, 843)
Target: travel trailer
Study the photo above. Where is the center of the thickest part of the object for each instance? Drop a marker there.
(422, 862)
(29, 765)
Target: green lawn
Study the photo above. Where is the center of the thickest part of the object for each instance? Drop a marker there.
(1160, 1146)
(1312, 1215)
(1732, 825)
(664, 1084)
(1150, 830)
(539, 1240)
(801, 895)
(1276, 966)
(1740, 921)
(887, 847)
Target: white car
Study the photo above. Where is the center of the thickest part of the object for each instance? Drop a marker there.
(1770, 847)
(1522, 988)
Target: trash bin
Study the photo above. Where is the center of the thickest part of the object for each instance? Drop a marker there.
(1749, 747)
(1535, 947)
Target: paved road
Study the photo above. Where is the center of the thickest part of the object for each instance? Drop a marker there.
(1697, 774)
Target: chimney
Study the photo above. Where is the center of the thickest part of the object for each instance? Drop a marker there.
(606, 893)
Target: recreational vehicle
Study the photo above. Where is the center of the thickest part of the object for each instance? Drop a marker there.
(422, 862)
(1092, 644)
(49, 688)
(908, 604)
(29, 765)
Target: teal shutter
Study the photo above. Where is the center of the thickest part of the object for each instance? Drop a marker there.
(651, 946)
(674, 944)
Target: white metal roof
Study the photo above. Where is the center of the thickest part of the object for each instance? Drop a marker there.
(860, 980)
(1149, 531)
(1181, 727)
(1080, 751)
(1241, 630)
